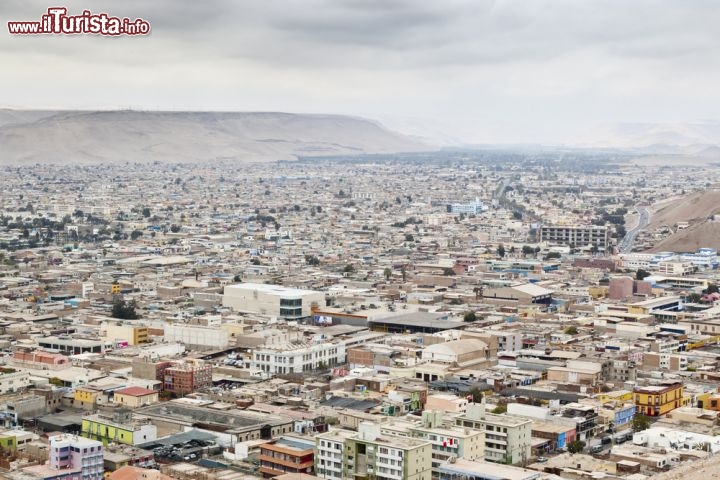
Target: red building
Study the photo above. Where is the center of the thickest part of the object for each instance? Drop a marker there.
(185, 377)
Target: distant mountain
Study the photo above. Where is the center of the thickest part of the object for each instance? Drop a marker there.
(136, 136)
(669, 138)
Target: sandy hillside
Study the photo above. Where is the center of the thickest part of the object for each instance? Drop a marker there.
(119, 136)
(696, 207)
(705, 234)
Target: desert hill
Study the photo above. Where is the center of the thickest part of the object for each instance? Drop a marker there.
(135, 136)
(701, 235)
(694, 208)
(697, 209)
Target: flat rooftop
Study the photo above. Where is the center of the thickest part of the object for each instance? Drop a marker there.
(230, 419)
(269, 289)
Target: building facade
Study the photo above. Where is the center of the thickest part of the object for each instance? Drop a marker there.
(73, 453)
(507, 439)
(657, 400)
(366, 454)
(118, 427)
(272, 300)
(181, 378)
(579, 236)
(287, 455)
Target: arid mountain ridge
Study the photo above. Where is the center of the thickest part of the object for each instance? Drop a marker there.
(82, 137)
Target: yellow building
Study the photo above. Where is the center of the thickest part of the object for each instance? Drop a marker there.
(134, 397)
(657, 400)
(118, 427)
(598, 292)
(616, 395)
(133, 334)
(86, 397)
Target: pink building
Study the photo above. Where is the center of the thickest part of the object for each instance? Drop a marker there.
(77, 457)
(621, 288)
(40, 359)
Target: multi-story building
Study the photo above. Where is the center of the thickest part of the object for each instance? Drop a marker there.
(16, 439)
(656, 400)
(299, 357)
(133, 334)
(12, 380)
(272, 300)
(449, 442)
(287, 455)
(584, 417)
(664, 361)
(507, 439)
(197, 337)
(367, 454)
(578, 236)
(181, 378)
(118, 427)
(471, 208)
(75, 457)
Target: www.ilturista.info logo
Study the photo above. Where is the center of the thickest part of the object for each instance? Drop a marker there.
(58, 22)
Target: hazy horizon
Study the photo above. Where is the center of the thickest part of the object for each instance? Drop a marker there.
(501, 72)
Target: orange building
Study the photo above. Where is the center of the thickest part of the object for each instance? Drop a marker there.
(287, 455)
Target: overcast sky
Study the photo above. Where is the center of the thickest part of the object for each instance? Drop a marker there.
(482, 71)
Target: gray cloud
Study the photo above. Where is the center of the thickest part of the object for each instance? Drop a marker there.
(488, 65)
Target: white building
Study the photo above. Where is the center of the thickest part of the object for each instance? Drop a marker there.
(13, 381)
(272, 300)
(197, 336)
(298, 358)
(457, 352)
(469, 208)
(661, 437)
(508, 439)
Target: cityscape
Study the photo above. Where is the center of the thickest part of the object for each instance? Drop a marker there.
(360, 240)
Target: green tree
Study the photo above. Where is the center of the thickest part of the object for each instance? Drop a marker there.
(349, 268)
(448, 272)
(469, 317)
(640, 422)
(501, 251)
(312, 260)
(694, 298)
(641, 274)
(527, 250)
(56, 382)
(146, 212)
(476, 394)
(136, 234)
(571, 330)
(237, 278)
(124, 310)
(576, 446)
(387, 273)
(500, 409)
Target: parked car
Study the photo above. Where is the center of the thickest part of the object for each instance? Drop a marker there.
(596, 448)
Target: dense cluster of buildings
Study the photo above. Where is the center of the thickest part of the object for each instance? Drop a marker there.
(349, 320)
